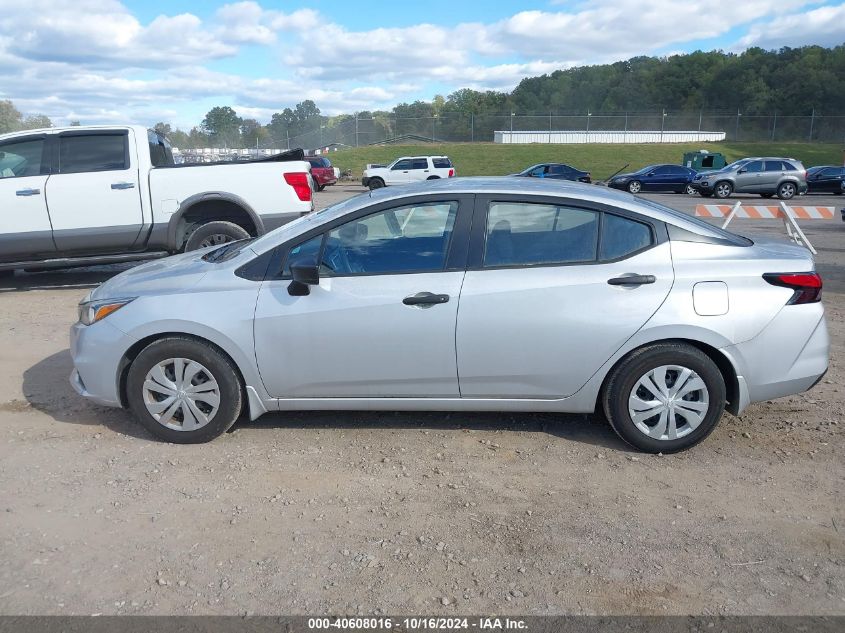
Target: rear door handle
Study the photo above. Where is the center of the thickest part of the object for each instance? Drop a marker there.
(28, 192)
(425, 299)
(632, 280)
(123, 185)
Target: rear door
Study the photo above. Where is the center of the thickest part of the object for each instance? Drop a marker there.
(773, 170)
(420, 170)
(25, 231)
(94, 194)
(538, 316)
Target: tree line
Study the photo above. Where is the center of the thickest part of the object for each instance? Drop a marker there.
(788, 81)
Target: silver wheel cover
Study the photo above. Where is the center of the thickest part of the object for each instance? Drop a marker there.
(669, 402)
(181, 394)
(634, 187)
(723, 190)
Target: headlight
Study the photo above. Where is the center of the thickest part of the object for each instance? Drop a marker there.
(93, 311)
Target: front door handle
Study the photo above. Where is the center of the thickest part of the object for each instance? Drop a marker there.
(123, 185)
(632, 280)
(28, 192)
(425, 299)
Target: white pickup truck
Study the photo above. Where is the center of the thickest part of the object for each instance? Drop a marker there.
(104, 194)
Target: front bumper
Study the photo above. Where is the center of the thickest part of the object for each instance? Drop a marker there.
(97, 351)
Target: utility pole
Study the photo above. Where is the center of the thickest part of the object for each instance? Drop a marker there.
(356, 129)
(662, 124)
(472, 126)
(774, 125)
(700, 114)
(812, 121)
(736, 130)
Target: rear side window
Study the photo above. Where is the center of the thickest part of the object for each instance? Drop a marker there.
(161, 154)
(531, 234)
(442, 163)
(621, 237)
(21, 157)
(97, 152)
(774, 165)
(789, 166)
(420, 163)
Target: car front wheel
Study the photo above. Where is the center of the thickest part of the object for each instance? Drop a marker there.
(664, 398)
(183, 390)
(635, 186)
(375, 183)
(723, 189)
(690, 190)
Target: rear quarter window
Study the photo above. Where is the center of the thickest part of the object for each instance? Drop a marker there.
(442, 163)
(621, 237)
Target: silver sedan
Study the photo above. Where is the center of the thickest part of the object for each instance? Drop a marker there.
(474, 294)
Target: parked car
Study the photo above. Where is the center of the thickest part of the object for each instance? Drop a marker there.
(557, 171)
(408, 169)
(675, 178)
(322, 171)
(783, 177)
(826, 179)
(572, 298)
(85, 195)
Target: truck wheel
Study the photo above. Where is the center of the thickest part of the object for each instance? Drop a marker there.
(214, 234)
(375, 183)
(320, 187)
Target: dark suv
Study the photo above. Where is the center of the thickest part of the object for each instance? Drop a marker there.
(783, 177)
(557, 171)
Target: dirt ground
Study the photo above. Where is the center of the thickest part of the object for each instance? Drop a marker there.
(408, 513)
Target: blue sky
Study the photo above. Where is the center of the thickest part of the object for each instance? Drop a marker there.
(146, 61)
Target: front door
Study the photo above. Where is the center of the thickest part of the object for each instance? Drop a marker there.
(399, 174)
(93, 194)
(381, 322)
(539, 314)
(25, 231)
(749, 178)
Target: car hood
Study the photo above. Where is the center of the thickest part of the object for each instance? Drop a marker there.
(161, 276)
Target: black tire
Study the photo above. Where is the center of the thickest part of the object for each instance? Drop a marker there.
(635, 186)
(706, 195)
(375, 183)
(723, 189)
(320, 187)
(787, 190)
(628, 372)
(222, 370)
(214, 233)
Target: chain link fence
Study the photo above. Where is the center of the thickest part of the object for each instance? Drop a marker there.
(452, 127)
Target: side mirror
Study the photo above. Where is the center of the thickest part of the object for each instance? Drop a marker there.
(305, 272)
(742, 171)
(651, 173)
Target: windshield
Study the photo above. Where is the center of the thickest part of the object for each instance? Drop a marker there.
(647, 169)
(736, 164)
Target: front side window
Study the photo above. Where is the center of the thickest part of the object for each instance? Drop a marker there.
(529, 234)
(21, 158)
(412, 238)
(754, 166)
(621, 237)
(306, 250)
(402, 164)
(95, 152)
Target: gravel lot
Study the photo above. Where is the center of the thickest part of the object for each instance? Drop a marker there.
(407, 513)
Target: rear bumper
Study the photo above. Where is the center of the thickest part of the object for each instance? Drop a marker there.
(788, 357)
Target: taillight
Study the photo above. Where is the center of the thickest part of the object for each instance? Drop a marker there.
(299, 181)
(807, 286)
(451, 173)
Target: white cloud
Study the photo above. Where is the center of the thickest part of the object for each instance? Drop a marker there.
(94, 60)
(824, 26)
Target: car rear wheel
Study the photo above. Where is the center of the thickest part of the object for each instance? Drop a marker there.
(183, 390)
(375, 183)
(433, 178)
(635, 186)
(786, 190)
(215, 233)
(723, 189)
(664, 398)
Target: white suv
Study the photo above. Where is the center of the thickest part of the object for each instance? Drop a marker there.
(408, 169)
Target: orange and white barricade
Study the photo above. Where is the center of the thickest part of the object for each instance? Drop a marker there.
(789, 215)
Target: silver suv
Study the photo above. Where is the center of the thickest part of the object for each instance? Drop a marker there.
(783, 177)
